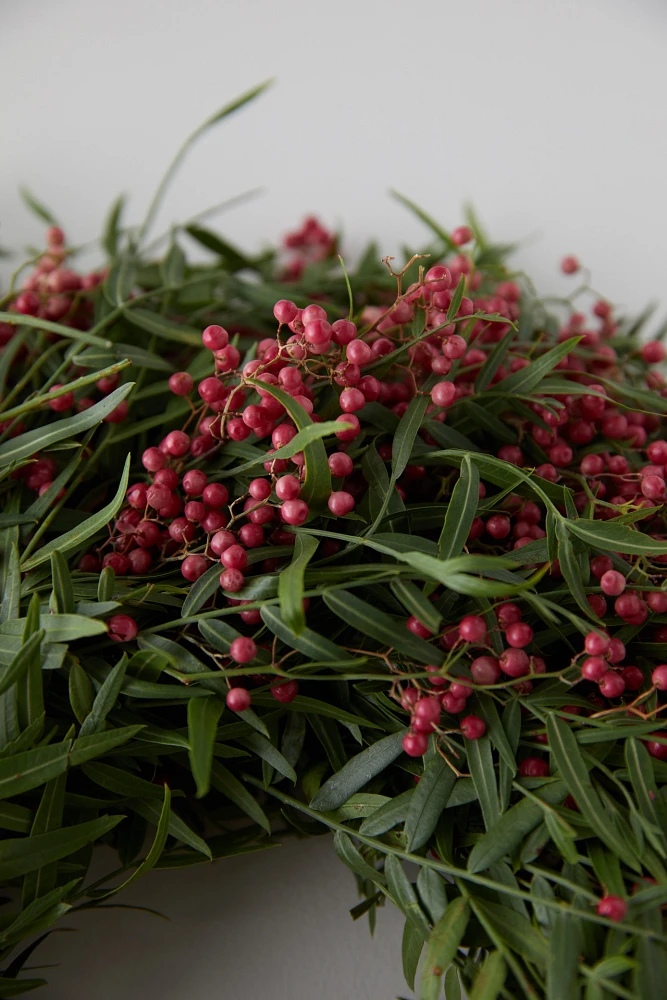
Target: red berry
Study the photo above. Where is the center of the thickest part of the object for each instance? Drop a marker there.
(485, 670)
(569, 265)
(659, 677)
(234, 557)
(498, 526)
(243, 649)
(472, 628)
(285, 311)
(633, 678)
(181, 383)
(519, 634)
(215, 495)
(657, 750)
(238, 699)
(612, 583)
(514, 662)
(62, 402)
(443, 394)
(596, 644)
(285, 691)
(612, 685)
(415, 744)
(194, 482)
(341, 503)
(294, 512)
(215, 338)
(121, 628)
(508, 614)
(594, 668)
(193, 567)
(533, 767)
(612, 907)
(473, 727)
(232, 580)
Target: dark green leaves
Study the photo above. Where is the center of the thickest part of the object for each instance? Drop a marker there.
(461, 511)
(203, 715)
(290, 583)
(370, 621)
(28, 853)
(357, 772)
(442, 947)
(428, 800)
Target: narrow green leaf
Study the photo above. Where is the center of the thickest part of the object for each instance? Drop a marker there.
(461, 511)
(388, 815)
(571, 570)
(224, 781)
(290, 583)
(480, 762)
(75, 537)
(62, 584)
(442, 946)
(568, 757)
(428, 801)
(25, 445)
(203, 715)
(351, 857)
(105, 700)
(259, 745)
(490, 978)
(612, 537)
(151, 811)
(358, 771)
(24, 660)
(49, 816)
(36, 207)
(512, 827)
(29, 853)
(403, 894)
(565, 942)
(121, 782)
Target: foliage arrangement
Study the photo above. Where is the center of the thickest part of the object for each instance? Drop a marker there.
(381, 554)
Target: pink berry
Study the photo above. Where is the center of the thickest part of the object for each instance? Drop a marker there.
(243, 649)
(232, 580)
(533, 767)
(215, 338)
(633, 678)
(348, 434)
(438, 278)
(234, 557)
(473, 727)
(498, 526)
(415, 744)
(569, 265)
(514, 662)
(194, 482)
(443, 394)
(341, 503)
(596, 644)
(461, 235)
(294, 512)
(211, 390)
(612, 685)
(238, 699)
(657, 601)
(659, 677)
(453, 705)
(285, 691)
(472, 628)
(594, 668)
(193, 567)
(653, 352)
(519, 635)
(612, 583)
(343, 332)
(177, 443)
(260, 489)
(485, 670)
(285, 311)
(612, 907)
(121, 628)
(215, 495)
(63, 402)
(181, 383)
(359, 353)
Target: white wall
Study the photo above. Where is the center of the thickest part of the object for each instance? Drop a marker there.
(549, 116)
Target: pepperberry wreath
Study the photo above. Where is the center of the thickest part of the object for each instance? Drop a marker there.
(381, 554)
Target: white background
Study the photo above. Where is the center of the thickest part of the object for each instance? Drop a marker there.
(550, 117)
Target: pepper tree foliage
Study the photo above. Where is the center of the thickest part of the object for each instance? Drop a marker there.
(531, 799)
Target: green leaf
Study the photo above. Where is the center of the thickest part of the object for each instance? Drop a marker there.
(74, 538)
(203, 715)
(121, 782)
(358, 771)
(120, 280)
(571, 569)
(565, 942)
(370, 621)
(566, 752)
(302, 439)
(31, 768)
(612, 537)
(442, 946)
(25, 445)
(640, 768)
(37, 323)
(11, 585)
(428, 801)
(161, 327)
(480, 762)
(36, 207)
(201, 591)
(416, 603)
(457, 298)
(491, 977)
(157, 847)
(26, 657)
(49, 816)
(461, 511)
(406, 434)
(81, 691)
(178, 829)
(62, 583)
(29, 853)
(290, 583)
(105, 700)
(403, 895)
(434, 226)
(259, 745)
(527, 379)
(86, 747)
(512, 827)
(432, 892)
(411, 948)
(388, 815)
(112, 228)
(58, 628)
(351, 857)
(224, 781)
